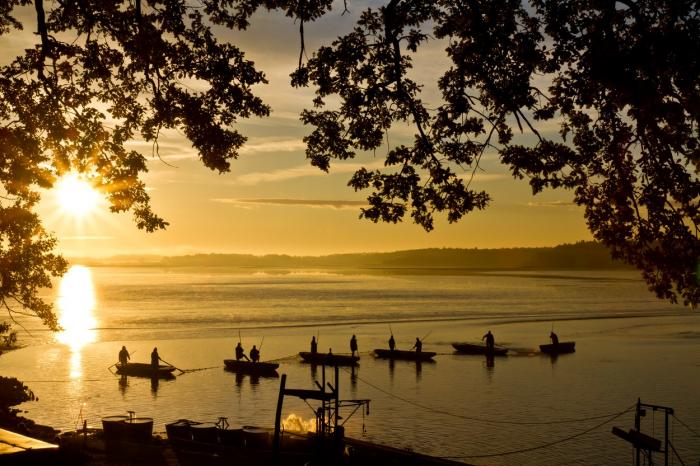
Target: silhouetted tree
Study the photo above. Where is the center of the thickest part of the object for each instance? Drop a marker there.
(621, 83)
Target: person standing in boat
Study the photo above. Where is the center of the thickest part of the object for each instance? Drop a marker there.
(254, 354)
(555, 339)
(392, 343)
(240, 354)
(314, 345)
(124, 356)
(490, 341)
(353, 346)
(155, 359)
(418, 345)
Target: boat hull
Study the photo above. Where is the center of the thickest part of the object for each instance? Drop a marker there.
(559, 348)
(252, 368)
(329, 359)
(470, 348)
(404, 355)
(138, 369)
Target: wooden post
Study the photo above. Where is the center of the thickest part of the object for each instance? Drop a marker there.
(337, 396)
(323, 402)
(278, 420)
(637, 427)
(665, 437)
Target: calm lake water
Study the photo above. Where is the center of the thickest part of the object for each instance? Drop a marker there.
(629, 345)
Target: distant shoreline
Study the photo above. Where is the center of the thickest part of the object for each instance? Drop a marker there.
(579, 256)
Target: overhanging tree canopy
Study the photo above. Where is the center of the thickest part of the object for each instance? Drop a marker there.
(623, 88)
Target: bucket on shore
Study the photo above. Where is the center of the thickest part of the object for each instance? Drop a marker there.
(256, 437)
(113, 427)
(139, 429)
(206, 432)
(231, 437)
(179, 430)
(127, 429)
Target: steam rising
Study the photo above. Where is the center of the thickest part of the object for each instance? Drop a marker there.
(295, 423)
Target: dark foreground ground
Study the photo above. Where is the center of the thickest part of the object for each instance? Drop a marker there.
(89, 448)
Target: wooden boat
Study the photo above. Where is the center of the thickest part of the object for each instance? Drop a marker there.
(559, 348)
(329, 359)
(253, 368)
(471, 348)
(140, 369)
(404, 355)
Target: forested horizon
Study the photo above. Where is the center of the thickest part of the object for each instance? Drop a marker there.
(581, 255)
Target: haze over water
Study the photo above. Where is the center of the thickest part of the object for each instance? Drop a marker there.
(629, 345)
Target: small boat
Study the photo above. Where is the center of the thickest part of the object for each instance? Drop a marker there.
(404, 355)
(329, 359)
(471, 348)
(559, 348)
(253, 368)
(140, 369)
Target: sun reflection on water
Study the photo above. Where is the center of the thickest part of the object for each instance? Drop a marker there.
(76, 303)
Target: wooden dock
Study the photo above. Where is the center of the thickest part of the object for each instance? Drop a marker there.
(16, 449)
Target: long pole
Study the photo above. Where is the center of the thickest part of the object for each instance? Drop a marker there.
(637, 427)
(665, 437)
(166, 362)
(278, 420)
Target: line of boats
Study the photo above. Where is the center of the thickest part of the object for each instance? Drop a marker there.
(269, 369)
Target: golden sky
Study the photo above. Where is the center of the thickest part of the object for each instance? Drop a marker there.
(274, 201)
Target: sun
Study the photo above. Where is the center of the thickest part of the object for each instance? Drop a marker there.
(76, 196)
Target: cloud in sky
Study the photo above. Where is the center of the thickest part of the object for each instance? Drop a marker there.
(301, 171)
(552, 204)
(274, 145)
(313, 203)
(86, 238)
(255, 178)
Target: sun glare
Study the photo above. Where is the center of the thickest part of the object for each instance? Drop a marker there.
(76, 302)
(76, 196)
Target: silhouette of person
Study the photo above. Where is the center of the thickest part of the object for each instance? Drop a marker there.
(555, 339)
(254, 354)
(314, 345)
(418, 345)
(155, 358)
(353, 346)
(124, 356)
(239, 353)
(490, 341)
(392, 343)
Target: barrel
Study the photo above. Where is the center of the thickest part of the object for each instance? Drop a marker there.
(205, 432)
(114, 428)
(231, 437)
(180, 430)
(256, 437)
(139, 429)
(295, 443)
